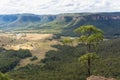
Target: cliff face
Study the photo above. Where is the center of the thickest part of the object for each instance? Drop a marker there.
(108, 22)
(98, 16)
(99, 78)
(103, 17)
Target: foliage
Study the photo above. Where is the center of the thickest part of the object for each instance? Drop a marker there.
(63, 64)
(4, 77)
(67, 41)
(85, 57)
(33, 58)
(10, 58)
(89, 34)
(91, 37)
(88, 30)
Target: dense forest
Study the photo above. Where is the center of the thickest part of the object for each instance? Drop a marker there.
(100, 57)
(10, 58)
(63, 64)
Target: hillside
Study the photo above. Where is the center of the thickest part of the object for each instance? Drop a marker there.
(108, 22)
(37, 44)
(23, 21)
(49, 59)
(63, 64)
(64, 24)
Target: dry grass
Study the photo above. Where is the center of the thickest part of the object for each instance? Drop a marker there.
(39, 50)
(38, 36)
(36, 43)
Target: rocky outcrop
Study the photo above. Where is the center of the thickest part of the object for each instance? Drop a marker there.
(99, 78)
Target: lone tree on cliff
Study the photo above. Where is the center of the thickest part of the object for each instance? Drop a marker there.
(90, 37)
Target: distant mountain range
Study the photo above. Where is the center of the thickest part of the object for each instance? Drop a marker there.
(23, 21)
(66, 23)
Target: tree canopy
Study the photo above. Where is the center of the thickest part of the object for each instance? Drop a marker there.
(4, 77)
(90, 35)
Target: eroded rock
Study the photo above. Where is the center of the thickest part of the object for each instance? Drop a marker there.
(99, 78)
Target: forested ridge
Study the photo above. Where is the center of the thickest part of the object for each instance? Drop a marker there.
(63, 64)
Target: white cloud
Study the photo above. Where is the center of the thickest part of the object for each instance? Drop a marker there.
(57, 6)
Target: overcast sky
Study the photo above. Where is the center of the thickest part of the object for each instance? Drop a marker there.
(58, 6)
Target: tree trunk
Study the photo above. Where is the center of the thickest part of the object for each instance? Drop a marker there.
(89, 60)
(89, 67)
(88, 48)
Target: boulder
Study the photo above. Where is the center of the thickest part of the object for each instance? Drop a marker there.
(99, 78)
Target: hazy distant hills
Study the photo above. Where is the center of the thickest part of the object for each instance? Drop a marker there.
(23, 21)
(109, 22)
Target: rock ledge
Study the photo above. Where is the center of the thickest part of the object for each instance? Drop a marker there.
(99, 78)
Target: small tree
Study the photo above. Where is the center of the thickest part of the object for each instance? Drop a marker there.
(67, 41)
(4, 77)
(91, 37)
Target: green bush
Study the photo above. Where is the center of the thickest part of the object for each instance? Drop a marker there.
(4, 77)
(33, 58)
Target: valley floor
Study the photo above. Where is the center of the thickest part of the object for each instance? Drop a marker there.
(38, 44)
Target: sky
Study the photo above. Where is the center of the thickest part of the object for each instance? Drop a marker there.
(58, 6)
